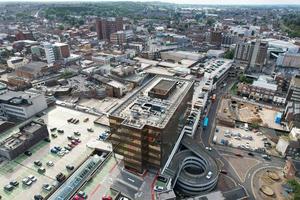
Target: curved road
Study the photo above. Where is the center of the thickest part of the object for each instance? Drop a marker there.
(204, 137)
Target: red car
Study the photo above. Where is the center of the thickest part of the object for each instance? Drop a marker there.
(77, 197)
(77, 140)
(106, 197)
(71, 145)
(238, 155)
(74, 142)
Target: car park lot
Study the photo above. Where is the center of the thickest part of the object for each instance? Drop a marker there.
(23, 166)
(239, 138)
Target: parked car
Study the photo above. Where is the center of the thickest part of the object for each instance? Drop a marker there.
(82, 194)
(28, 153)
(68, 148)
(41, 170)
(162, 179)
(70, 137)
(8, 187)
(50, 164)
(14, 183)
(60, 177)
(53, 129)
(70, 167)
(86, 119)
(47, 139)
(57, 148)
(27, 181)
(53, 135)
(223, 171)
(158, 188)
(32, 178)
(60, 131)
(47, 187)
(38, 163)
(53, 150)
(77, 133)
(71, 145)
(38, 197)
(90, 130)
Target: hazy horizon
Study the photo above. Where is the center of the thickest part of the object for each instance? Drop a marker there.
(205, 2)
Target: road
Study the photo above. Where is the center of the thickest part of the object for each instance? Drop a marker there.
(204, 137)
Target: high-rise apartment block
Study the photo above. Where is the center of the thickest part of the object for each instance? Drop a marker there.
(145, 128)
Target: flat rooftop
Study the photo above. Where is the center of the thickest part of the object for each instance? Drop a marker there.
(140, 109)
(19, 138)
(164, 85)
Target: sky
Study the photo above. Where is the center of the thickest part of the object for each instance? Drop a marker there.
(215, 2)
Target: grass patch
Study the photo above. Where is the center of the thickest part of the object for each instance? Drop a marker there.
(296, 187)
(234, 88)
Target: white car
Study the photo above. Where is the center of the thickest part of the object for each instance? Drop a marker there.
(158, 188)
(26, 181)
(50, 164)
(47, 187)
(208, 148)
(209, 174)
(61, 153)
(32, 178)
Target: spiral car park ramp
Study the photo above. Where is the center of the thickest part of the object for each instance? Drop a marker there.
(189, 169)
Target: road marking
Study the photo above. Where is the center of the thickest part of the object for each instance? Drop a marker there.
(113, 167)
(96, 188)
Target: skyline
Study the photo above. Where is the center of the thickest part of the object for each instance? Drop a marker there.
(201, 2)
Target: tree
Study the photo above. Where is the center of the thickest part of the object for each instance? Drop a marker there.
(61, 27)
(210, 21)
(229, 54)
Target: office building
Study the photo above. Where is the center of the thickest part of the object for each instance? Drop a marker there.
(145, 128)
(294, 90)
(57, 51)
(28, 135)
(253, 53)
(289, 60)
(228, 40)
(16, 62)
(259, 55)
(50, 53)
(32, 70)
(121, 37)
(216, 38)
(63, 50)
(24, 35)
(21, 105)
(106, 26)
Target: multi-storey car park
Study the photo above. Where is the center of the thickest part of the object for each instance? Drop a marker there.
(146, 126)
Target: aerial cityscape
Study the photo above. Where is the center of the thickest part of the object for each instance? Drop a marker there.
(150, 100)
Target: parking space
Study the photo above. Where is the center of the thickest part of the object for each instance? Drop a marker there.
(240, 138)
(22, 166)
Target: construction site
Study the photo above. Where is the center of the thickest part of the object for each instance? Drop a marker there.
(233, 109)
